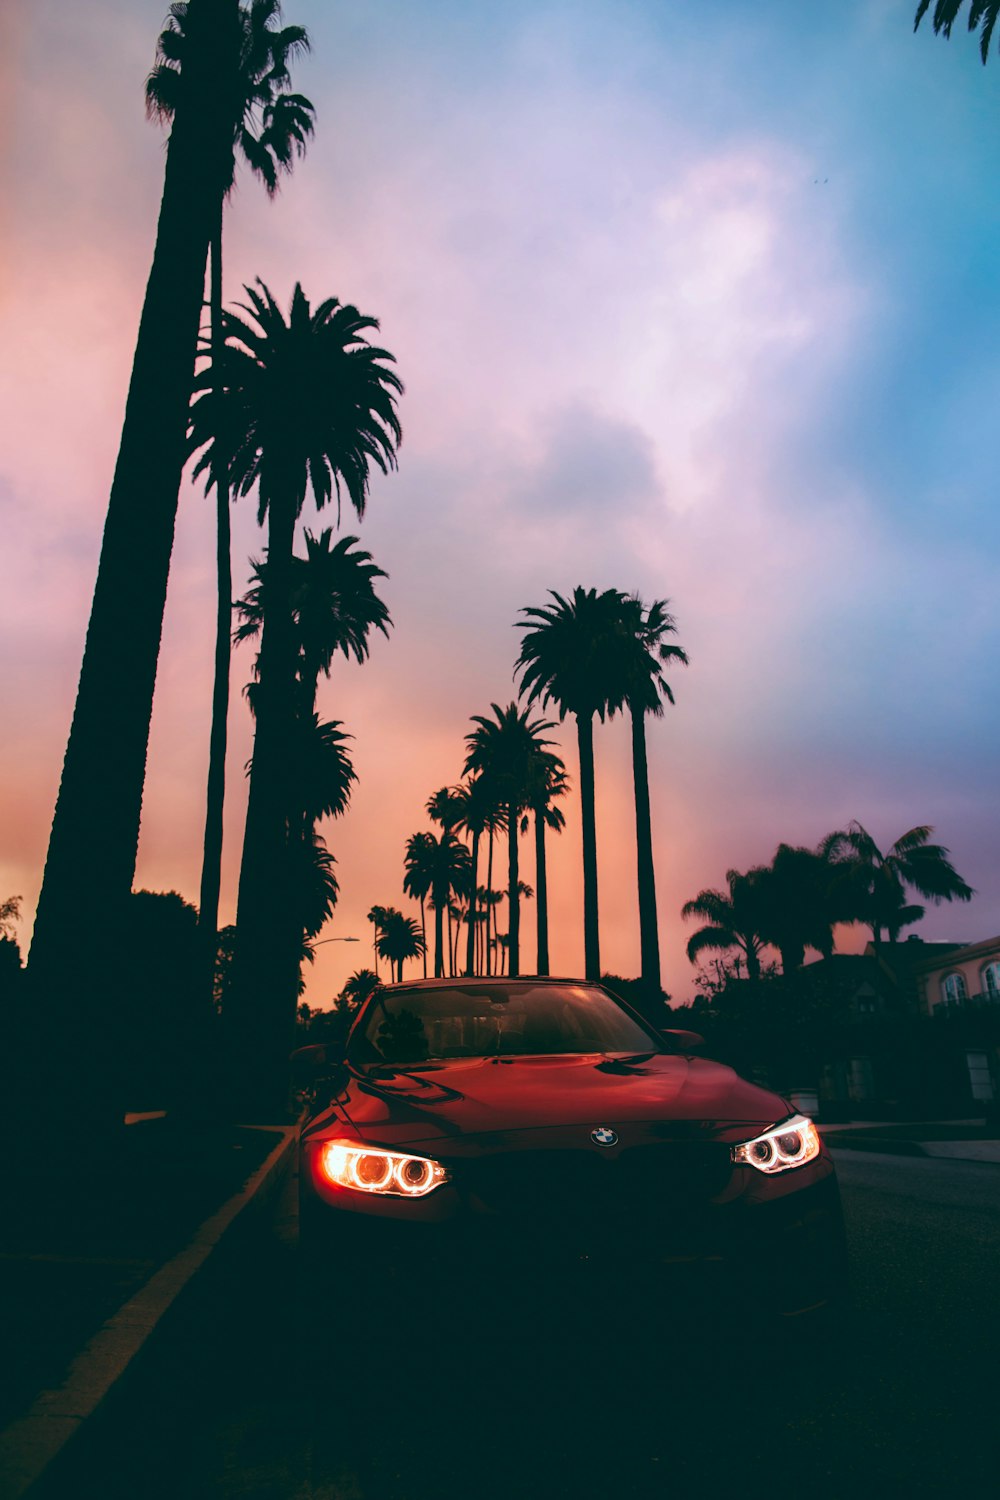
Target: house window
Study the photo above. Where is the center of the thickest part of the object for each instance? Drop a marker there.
(990, 981)
(953, 988)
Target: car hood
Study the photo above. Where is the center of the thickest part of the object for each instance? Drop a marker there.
(481, 1096)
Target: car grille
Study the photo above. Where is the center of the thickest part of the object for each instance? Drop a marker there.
(658, 1191)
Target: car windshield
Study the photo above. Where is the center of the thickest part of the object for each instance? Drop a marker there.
(418, 1026)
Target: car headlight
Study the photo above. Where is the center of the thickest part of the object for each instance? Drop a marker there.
(789, 1145)
(369, 1169)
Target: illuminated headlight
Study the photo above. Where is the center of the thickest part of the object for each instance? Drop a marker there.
(778, 1150)
(369, 1169)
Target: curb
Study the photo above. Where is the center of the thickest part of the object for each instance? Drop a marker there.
(30, 1444)
(850, 1142)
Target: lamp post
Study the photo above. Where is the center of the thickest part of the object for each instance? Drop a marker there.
(336, 940)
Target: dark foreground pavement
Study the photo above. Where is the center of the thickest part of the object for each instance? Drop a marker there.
(272, 1390)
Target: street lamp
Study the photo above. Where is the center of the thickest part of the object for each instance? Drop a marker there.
(336, 940)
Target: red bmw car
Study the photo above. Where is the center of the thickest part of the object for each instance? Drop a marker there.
(544, 1120)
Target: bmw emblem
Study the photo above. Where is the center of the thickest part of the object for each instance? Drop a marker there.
(604, 1136)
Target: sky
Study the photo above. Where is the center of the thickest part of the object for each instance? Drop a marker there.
(698, 302)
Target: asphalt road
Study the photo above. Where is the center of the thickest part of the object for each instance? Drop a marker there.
(633, 1396)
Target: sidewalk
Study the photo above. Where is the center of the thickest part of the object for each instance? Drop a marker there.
(92, 1259)
(957, 1140)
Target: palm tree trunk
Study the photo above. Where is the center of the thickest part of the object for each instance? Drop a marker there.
(591, 938)
(541, 893)
(649, 937)
(265, 984)
(513, 895)
(438, 940)
(470, 946)
(423, 932)
(451, 967)
(490, 910)
(211, 867)
(75, 973)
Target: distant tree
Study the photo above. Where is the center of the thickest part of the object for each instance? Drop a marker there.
(503, 750)
(547, 780)
(982, 18)
(732, 920)
(377, 917)
(417, 877)
(881, 878)
(802, 894)
(440, 867)
(400, 940)
(166, 1043)
(358, 988)
(571, 656)
(476, 811)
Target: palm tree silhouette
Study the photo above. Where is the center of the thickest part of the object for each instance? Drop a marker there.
(547, 781)
(361, 984)
(802, 895)
(647, 652)
(400, 939)
(983, 16)
(308, 406)
(732, 920)
(334, 606)
(417, 877)
(96, 820)
(571, 656)
(440, 867)
(476, 810)
(502, 750)
(377, 917)
(881, 879)
(270, 125)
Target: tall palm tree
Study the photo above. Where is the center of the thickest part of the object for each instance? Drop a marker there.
(96, 820)
(571, 656)
(269, 129)
(503, 750)
(881, 878)
(547, 781)
(400, 940)
(732, 920)
(982, 18)
(417, 876)
(308, 406)
(647, 652)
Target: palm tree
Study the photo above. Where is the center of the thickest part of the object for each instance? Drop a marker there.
(503, 751)
(400, 940)
(881, 879)
(270, 125)
(96, 820)
(308, 406)
(475, 808)
(417, 876)
(443, 864)
(732, 921)
(571, 656)
(334, 606)
(361, 984)
(547, 781)
(800, 900)
(982, 18)
(377, 917)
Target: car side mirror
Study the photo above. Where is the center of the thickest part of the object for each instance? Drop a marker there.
(311, 1063)
(683, 1041)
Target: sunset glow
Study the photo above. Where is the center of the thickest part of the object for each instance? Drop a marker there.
(677, 312)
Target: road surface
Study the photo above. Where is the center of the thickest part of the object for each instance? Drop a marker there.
(899, 1398)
